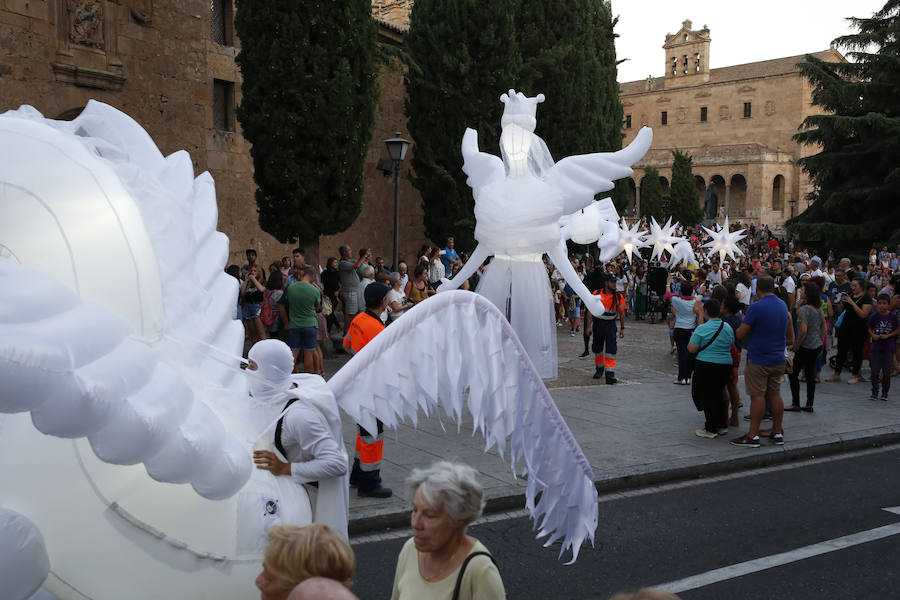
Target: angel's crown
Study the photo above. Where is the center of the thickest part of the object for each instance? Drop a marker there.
(520, 109)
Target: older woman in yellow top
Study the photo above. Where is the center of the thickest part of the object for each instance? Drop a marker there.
(441, 562)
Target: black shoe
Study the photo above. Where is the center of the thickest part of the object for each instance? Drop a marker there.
(807, 409)
(598, 373)
(611, 380)
(379, 492)
(583, 354)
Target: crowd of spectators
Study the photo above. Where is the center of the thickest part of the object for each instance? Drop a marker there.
(307, 305)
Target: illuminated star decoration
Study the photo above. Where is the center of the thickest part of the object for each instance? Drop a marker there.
(631, 239)
(682, 253)
(662, 238)
(724, 242)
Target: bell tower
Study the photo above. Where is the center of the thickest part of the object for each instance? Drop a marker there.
(687, 56)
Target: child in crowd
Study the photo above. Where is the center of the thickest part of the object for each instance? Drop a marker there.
(884, 326)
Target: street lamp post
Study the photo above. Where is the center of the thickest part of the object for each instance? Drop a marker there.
(397, 147)
(793, 203)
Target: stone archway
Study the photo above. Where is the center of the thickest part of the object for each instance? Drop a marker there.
(722, 191)
(778, 194)
(738, 197)
(664, 187)
(631, 205)
(700, 184)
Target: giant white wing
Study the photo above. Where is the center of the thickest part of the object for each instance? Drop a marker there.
(581, 177)
(457, 351)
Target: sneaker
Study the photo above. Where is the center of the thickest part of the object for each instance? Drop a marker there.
(777, 439)
(706, 434)
(571, 334)
(678, 382)
(883, 398)
(722, 431)
(746, 441)
(874, 396)
(687, 381)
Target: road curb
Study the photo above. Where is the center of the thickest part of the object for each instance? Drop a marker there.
(514, 499)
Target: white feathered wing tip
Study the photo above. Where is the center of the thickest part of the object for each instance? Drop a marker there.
(456, 350)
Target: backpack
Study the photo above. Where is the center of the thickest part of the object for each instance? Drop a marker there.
(266, 314)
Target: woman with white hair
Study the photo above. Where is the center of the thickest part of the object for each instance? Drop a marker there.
(397, 301)
(441, 562)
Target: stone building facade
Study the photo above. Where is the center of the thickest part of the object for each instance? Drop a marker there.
(169, 64)
(736, 122)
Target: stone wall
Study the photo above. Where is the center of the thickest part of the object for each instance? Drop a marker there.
(156, 61)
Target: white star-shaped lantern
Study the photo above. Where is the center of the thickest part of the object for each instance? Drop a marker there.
(682, 253)
(724, 242)
(662, 238)
(631, 239)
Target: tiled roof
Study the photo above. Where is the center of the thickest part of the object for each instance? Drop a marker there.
(391, 26)
(764, 68)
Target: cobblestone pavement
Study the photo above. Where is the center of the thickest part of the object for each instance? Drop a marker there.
(638, 432)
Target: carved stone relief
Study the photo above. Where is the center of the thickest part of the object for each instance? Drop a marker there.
(770, 108)
(682, 114)
(86, 22)
(723, 112)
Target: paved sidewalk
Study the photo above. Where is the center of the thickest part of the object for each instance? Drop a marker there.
(636, 433)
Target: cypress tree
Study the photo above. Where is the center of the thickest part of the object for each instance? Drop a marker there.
(461, 56)
(309, 92)
(569, 55)
(651, 196)
(685, 203)
(857, 172)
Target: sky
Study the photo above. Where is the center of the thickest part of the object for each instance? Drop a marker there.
(741, 31)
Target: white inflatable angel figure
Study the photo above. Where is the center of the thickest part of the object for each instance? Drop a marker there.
(108, 400)
(631, 239)
(724, 242)
(520, 202)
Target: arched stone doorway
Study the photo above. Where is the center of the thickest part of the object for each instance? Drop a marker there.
(738, 197)
(664, 187)
(700, 184)
(631, 203)
(719, 182)
(778, 194)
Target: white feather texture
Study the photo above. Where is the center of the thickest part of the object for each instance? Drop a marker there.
(466, 355)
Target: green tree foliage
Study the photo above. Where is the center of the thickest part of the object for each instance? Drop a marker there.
(464, 54)
(651, 196)
(461, 56)
(569, 55)
(309, 92)
(857, 172)
(685, 200)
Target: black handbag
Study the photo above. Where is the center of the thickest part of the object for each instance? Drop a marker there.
(462, 570)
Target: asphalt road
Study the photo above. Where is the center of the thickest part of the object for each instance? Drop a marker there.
(667, 534)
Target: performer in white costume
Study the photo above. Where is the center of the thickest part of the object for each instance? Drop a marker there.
(307, 437)
(521, 205)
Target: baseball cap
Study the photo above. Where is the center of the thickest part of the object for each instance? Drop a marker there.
(375, 293)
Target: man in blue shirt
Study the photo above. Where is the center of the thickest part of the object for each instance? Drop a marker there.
(450, 257)
(767, 331)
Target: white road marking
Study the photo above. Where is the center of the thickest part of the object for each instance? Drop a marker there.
(777, 560)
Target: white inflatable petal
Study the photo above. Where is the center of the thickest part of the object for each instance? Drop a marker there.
(24, 564)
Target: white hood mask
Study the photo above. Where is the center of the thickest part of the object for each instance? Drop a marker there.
(276, 363)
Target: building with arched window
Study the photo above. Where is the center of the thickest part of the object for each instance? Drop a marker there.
(736, 122)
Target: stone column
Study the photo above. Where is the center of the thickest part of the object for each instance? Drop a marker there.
(637, 200)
